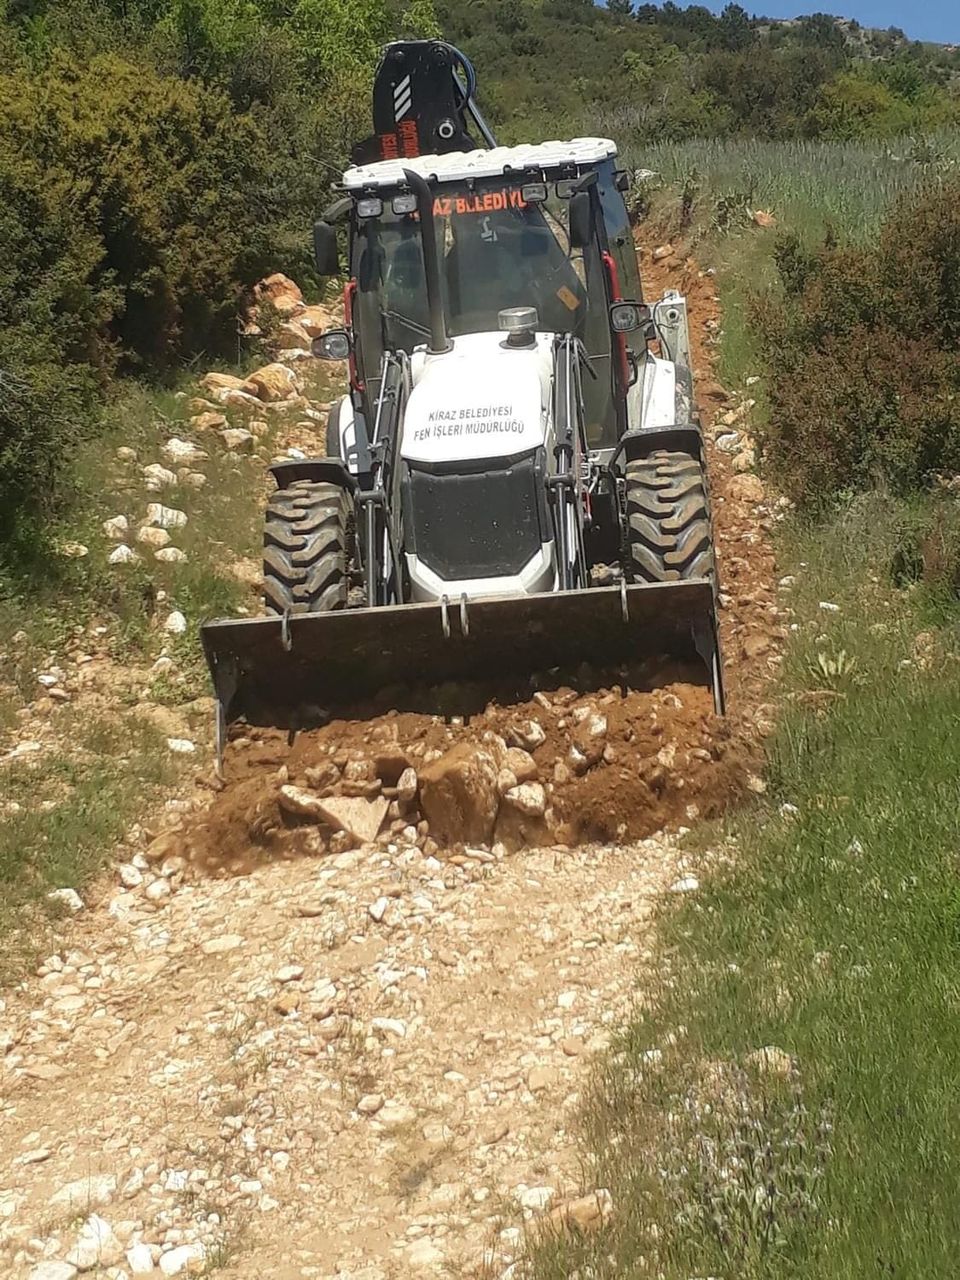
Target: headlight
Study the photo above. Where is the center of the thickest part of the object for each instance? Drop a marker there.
(406, 203)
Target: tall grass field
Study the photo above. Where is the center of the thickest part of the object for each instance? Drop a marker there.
(784, 1103)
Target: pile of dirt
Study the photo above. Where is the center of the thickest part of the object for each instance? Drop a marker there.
(563, 768)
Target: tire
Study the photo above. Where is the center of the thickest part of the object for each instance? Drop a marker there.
(669, 535)
(306, 548)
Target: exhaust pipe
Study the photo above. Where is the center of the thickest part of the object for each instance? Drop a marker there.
(439, 339)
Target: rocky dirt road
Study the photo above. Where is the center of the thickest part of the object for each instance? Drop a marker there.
(261, 1052)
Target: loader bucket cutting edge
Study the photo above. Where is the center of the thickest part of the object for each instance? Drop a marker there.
(299, 672)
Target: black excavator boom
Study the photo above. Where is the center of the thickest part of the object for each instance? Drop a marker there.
(423, 104)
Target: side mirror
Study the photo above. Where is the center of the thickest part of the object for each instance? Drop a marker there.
(325, 253)
(581, 220)
(627, 317)
(333, 345)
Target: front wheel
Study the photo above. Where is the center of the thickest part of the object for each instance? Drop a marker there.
(669, 534)
(306, 548)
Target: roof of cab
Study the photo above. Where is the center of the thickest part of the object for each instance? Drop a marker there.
(464, 165)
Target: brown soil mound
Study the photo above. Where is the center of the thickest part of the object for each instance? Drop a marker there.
(614, 763)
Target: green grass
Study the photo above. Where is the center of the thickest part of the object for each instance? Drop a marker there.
(828, 919)
(63, 810)
(831, 932)
(812, 187)
(63, 814)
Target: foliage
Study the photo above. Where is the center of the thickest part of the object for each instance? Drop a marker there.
(133, 212)
(825, 927)
(156, 157)
(686, 72)
(862, 355)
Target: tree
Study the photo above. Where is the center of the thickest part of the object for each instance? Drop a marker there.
(735, 29)
(622, 8)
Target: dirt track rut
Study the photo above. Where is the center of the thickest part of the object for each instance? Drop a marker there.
(363, 1064)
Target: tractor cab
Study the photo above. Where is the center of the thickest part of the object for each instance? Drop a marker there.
(542, 226)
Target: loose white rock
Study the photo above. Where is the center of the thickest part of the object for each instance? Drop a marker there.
(158, 477)
(68, 898)
(529, 798)
(289, 973)
(98, 1189)
(407, 786)
(389, 1027)
(52, 1271)
(395, 1115)
(123, 555)
(170, 555)
(96, 1245)
(116, 528)
(181, 746)
(178, 1261)
(183, 451)
(175, 624)
(218, 946)
(238, 440)
(149, 535)
(165, 517)
(536, 1198)
(686, 884)
(158, 891)
(140, 1259)
(423, 1254)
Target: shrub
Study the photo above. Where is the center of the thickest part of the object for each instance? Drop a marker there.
(163, 188)
(863, 358)
(133, 210)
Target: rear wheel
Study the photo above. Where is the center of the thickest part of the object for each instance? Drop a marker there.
(306, 548)
(668, 519)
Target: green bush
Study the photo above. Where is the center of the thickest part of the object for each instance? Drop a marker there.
(156, 194)
(863, 358)
(134, 208)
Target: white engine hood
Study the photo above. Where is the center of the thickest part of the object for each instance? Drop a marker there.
(480, 400)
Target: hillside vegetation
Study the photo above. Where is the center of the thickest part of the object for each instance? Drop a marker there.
(157, 156)
(679, 72)
(781, 1106)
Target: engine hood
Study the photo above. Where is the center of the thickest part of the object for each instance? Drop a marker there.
(480, 400)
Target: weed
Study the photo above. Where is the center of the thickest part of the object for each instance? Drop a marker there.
(831, 935)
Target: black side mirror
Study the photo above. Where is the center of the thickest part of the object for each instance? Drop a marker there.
(627, 317)
(333, 345)
(581, 220)
(325, 253)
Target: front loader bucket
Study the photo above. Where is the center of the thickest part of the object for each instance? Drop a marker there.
(298, 672)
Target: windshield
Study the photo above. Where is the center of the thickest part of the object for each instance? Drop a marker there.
(496, 251)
